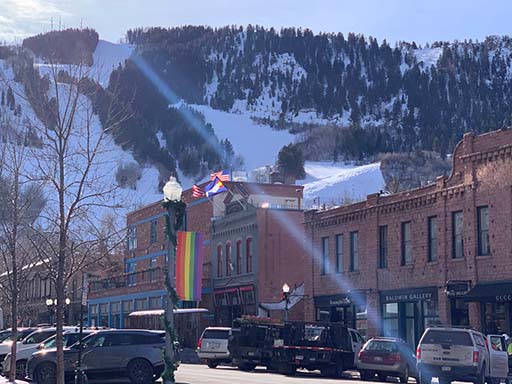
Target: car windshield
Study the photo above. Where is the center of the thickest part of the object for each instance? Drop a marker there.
(215, 334)
(38, 337)
(447, 337)
(381, 346)
(4, 335)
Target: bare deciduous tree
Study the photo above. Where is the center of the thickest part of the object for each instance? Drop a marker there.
(74, 164)
(20, 203)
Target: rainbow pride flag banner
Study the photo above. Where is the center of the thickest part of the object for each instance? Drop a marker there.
(189, 265)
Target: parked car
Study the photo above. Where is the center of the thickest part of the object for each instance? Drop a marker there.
(5, 346)
(111, 354)
(25, 353)
(461, 354)
(212, 346)
(387, 357)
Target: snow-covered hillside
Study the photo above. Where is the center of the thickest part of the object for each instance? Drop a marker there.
(340, 183)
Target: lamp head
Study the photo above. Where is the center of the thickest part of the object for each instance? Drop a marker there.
(286, 288)
(68, 300)
(49, 302)
(172, 190)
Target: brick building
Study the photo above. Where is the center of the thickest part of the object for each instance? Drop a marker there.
(256, 247)
(141, 286)
(394, 264)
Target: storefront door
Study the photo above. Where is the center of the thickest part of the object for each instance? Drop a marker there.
(406, 314)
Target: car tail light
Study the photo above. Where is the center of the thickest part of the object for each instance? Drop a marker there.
(199, 343)
(394, 357)
(418, 353)
(362, 355)
(476, 356)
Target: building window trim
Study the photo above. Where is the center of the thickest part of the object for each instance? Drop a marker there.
(219, 260)
(248, 255)
(483, 246)
(228, 259)
(339, 253)
(432, 239)
(153, 231)
(354, 251)
(325, 255)
(406, 243)
(383, 246)
(239, 257)
(457, 237)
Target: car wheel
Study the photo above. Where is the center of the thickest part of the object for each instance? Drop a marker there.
(140, 371)
(382, 377)
(212, 364)
(328, 372)
(425, 378)
(366, 376)
(46, 373)
(247, 367)
(405, 377)
(444, 381)
(21, 367)
(481, 377)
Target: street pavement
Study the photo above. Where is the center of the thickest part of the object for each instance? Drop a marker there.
(201, 374)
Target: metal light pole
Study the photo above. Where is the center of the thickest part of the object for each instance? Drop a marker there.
(172, 200)
(286, 296)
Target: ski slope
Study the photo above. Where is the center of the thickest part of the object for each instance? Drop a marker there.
(339, 183)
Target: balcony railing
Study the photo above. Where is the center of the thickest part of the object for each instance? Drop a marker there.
(128, 280)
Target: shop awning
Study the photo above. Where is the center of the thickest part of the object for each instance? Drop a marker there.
(492, 292)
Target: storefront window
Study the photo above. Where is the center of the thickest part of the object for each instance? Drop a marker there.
(459, 312)
(390, 319)
(496, 318)
(362, 320)
(430, 313)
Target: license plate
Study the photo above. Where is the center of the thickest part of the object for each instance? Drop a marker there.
(378, 358)
(299, 357)
(250, 353)
(446, 369)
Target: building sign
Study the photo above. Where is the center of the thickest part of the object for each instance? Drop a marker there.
(416, 294)
(333, 301)
(503, 298)
(457, 288)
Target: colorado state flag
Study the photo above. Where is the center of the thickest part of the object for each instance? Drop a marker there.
(215, 187)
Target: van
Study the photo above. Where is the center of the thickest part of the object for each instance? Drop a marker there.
(462, 355)
(212, 346)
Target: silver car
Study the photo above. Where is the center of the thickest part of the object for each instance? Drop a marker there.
(112, 354)
(212, 347)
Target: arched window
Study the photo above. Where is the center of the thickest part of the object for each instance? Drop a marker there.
(239, 257)
(248, 255)
(228, 259)
(219, 260)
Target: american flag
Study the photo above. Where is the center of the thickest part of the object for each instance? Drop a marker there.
(221, 175)
(197, 192)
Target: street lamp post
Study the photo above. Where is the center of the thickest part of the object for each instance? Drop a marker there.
(175, 210)
(286, 296)
(52, 304)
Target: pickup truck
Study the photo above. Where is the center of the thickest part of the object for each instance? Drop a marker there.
(455, 354)
(329, 347)
(253, 345)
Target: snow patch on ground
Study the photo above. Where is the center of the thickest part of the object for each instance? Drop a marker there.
(106, 57)
(340, 183)
(428, 56)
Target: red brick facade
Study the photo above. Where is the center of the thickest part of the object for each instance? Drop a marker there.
(481, 177)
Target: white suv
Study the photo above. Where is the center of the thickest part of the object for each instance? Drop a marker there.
(462, 355)
(212, 347)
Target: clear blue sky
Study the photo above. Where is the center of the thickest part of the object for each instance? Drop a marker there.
(394, 20)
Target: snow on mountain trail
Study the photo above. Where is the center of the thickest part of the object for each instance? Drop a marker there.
(257, 143)
(337, 183)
